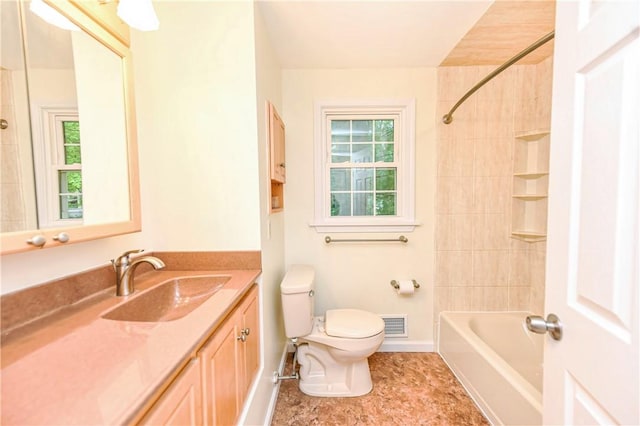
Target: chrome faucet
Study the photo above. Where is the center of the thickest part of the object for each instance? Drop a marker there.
(125, 267)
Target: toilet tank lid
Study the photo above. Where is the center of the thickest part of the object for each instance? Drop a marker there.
(352, 323)
(298, 279)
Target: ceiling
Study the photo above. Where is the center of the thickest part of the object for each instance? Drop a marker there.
(367, 33)
(399, 33)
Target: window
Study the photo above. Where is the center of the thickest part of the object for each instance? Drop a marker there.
(69, 171)
(364, 166)
(59, 169)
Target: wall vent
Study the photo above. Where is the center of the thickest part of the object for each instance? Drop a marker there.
(395, 325)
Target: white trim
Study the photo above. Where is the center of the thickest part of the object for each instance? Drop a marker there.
(393, 345)
(271, 408)
(258, 378)
(405, 219)
(325, 228)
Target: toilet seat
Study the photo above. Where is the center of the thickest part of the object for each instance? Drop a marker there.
(352, 323)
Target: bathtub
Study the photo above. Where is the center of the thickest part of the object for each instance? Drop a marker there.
(498, 361)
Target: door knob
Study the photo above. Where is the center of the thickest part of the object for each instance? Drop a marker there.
(539, 325)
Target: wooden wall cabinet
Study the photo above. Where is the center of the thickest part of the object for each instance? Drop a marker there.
(530, 185)
(277, 166)
(212, 388)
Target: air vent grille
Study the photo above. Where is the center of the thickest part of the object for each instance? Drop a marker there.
(395, 325)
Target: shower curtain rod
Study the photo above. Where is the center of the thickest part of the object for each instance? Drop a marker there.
(448, 117)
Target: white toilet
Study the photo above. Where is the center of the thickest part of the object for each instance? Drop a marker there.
(332, 350)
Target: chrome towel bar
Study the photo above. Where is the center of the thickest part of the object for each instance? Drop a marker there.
(400, 239)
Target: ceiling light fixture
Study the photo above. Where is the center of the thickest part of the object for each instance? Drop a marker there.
(51, 15)
(138, 14)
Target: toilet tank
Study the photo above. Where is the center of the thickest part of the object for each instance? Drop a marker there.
(296, 290)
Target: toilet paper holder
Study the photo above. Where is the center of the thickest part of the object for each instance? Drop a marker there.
(396, 285)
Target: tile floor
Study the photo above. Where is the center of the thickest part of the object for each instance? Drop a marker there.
(408, 389)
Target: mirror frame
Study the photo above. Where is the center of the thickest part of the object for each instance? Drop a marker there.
(99, 21)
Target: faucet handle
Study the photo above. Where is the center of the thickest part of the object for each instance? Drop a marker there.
(130, 252)
(124, 257)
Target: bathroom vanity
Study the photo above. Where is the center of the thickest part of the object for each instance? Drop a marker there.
(218, 377)
(98, 362)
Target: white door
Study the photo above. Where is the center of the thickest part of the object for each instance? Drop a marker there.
(591, 376)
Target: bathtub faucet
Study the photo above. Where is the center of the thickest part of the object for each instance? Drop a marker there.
(125, 268)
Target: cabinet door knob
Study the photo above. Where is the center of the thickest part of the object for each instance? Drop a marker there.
(62, 237)
(37, 240)
(246, 331)
(242, 337)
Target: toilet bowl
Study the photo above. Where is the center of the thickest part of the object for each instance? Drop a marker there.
(332, 349)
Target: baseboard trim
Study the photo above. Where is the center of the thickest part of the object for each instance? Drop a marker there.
(392, 345)
(271, 408)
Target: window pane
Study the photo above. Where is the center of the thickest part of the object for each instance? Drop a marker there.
(340, 204)
(386, 179)
(362, 130)
(70, 192)
(70, 181)
(363, 179)
(71, 130)
(363, 204)
(340, 180)
(340, 130)
(70, 206)
(386, 204)
(71, 134)
(384, 130)
(362, 153)
(384, 152)
(340, 152)
(72, 154)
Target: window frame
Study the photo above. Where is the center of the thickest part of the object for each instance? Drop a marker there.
(404, 110)
(49, 160)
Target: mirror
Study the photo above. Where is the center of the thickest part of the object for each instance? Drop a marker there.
(69, 154)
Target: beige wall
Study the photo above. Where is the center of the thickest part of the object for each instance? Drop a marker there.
(478, 265)
(269, 88)
(358, 275)
(197, 123)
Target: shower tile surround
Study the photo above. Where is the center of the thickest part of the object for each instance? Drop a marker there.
(478, 266)
(14, 216)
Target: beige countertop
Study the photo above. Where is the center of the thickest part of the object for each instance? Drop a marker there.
(74, 367)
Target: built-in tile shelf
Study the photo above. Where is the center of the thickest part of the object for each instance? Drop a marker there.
(529, 236)
(530, 175)
(530, 196)
(530, 185)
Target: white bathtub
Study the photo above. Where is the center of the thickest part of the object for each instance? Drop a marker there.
(498, 361)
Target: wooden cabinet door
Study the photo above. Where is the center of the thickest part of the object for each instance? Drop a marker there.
(181, 404)
(250, 348)
(220, 375)
(276, 142)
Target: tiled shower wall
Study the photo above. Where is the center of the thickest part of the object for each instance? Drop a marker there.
(479, 267)
(13, 215)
